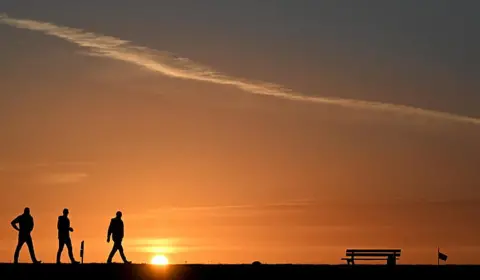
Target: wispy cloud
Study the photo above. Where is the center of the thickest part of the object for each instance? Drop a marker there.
(155, 245)
(283, 205)
(44, 165)
(63, 177)
(63, 164)
(225, 209)
(171, 65)
(175, 245)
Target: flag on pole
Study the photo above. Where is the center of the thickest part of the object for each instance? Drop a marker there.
(442, 256)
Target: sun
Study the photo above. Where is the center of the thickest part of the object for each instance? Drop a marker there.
(159, 260)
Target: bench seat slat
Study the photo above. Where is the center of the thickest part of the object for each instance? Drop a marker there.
(366, 259)
(373, 250)
(372, 254)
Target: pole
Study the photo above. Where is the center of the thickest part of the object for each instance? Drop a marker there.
(82, 249)
(438, 256)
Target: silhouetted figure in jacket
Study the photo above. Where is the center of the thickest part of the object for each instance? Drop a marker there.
(117, 232)
(64, 230)
(24, 228)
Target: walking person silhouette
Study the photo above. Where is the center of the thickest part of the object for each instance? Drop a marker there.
(116, 230)
(24, 228)
(64, 230)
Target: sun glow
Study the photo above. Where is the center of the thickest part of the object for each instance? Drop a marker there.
(159, 260)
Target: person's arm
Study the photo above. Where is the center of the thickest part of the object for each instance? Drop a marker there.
(15, 222)
(68, 225)
(110, 227)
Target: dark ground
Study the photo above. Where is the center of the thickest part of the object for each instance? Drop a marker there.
(225, 272)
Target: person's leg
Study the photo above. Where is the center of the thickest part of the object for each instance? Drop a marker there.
(21, 240)
(120, 249)
(112, 253)
(61, 243)
(70, 250)
(31, 249)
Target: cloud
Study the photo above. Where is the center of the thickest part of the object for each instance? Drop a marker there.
(56, 164)
(154, 245)
(172, 65)
(63, 177)
(44, 165)
(155, 241)
(174, 245)
(225, 210)
(280, 205)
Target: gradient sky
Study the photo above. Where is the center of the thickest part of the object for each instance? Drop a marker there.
(210, 173)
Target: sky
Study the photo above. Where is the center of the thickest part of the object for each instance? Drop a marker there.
(232, 131)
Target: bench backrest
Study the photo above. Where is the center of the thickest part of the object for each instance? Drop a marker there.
(373, 252)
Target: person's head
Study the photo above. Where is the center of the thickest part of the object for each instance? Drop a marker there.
(65, 212)
(26, 211)
(119, 215)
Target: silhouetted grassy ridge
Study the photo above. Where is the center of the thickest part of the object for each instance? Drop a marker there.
(225, 272)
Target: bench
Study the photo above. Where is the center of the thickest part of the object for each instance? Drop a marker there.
(390, 255)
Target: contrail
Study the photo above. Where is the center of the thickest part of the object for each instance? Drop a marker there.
(178, 67)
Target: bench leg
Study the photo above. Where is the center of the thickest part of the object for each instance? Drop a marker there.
(391, 260)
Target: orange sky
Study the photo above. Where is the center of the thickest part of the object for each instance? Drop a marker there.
(208, 173)
(355, 179)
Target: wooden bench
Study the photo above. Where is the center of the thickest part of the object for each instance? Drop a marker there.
(390, 255)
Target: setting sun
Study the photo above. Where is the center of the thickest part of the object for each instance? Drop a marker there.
(160, 260)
